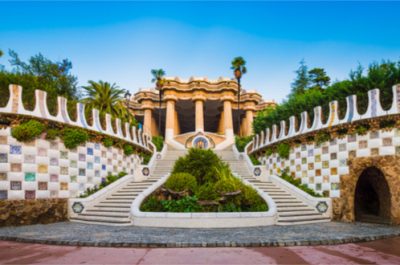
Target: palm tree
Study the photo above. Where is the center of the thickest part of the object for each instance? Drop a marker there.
(107, 98)
(239, 69)
(158, 78)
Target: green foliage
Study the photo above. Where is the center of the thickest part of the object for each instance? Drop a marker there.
(283, 150)
(145, 158)
(109, 179)
(254, 160)
(269, 152)
(241, 142)
(108, 142)
(200, 163)
(297, 182)
(152, 204)
(74, 137)
(322, 137)
(52, 134)
(39, 73)
(158, 141)
(186, 204)
(387, 123)
(362, 129)
(181, 182)
(107, 98)
(342, 132)
(28, 131)
(382, 75)
(128, 149)
(222, 192)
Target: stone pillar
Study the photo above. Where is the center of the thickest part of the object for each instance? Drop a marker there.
(249, 122)
(221, 124)
(170, 118)
(199, 113)
(228, 118)
(147, 121)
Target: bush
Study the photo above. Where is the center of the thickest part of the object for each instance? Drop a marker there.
(322, 137)
(181, 182)
(362, 129)
(200, 163)
(186, 204)
(74, 137)
(207, 192)
(254, 160)
(241, 142)
(128, 149)
(151, 203)
(283, 150)
(269, 152)
(342, 132)
(108, 142)
(145, 158)
(52, 134)
(109, 179)
(158, 141)
(28, 131)
(383, 124)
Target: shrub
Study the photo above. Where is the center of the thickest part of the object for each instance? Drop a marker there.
(145, 158)
(269, 152)
(362, 129)
(151, 203)
(207, 192)
(241, 142)
(283, 150)
(180, 182)
(342, 132)
(108, 142)
(52, 134)
(74, 137)
(28, 131)
(200, 163)
(322, 137)
(128, 149)
(383, 124)
(158, 141)
(254, 160)
(186, 204)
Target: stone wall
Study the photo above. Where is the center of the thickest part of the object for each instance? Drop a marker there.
(26, 212)
(343, 207)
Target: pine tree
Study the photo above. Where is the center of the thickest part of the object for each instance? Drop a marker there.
(302, 81)
(319, 78)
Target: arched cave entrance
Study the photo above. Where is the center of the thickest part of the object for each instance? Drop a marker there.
(372, 197)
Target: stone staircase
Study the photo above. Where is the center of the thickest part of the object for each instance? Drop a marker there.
(114, 207)
(291, 209)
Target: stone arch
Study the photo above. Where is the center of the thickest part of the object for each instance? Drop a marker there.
(389, 166)
(372, 197)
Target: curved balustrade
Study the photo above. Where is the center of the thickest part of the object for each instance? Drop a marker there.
(374, 109)
(15, 106)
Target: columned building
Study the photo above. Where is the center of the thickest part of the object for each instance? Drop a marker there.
(197, 111)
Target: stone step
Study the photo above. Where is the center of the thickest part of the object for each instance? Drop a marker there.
(107, 214)
(296, 219)
(111, 202)
(302, 213)
(110, 210)
(108, 220)
(100, 206)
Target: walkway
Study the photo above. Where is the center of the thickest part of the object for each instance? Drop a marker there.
(70, 233)
(377, 252)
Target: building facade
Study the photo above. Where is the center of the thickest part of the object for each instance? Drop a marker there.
(198, 111)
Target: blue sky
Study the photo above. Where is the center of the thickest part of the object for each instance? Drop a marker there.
(121, 42)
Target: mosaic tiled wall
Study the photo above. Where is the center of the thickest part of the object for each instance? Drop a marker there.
(320, 166)
(279, 133)
(46, 169)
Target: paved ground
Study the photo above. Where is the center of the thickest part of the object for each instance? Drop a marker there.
(385, 251)
(128, 236)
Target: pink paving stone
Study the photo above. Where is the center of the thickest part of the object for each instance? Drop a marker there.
(377, 252)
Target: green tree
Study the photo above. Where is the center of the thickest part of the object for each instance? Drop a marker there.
(302, 81)
(107, 98)
(38, 72)
(319, 79)
(1, 53)
(238, 65)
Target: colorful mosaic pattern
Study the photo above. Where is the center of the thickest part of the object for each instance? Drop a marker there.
(48, 169)
(320, 167)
